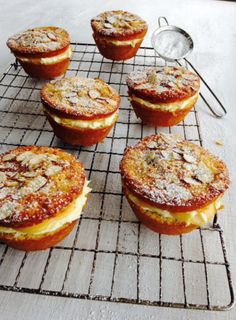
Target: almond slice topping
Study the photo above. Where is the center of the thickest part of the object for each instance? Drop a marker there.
(51, 36)
(94, 94)
(9, 157)
(108, 25)
(52, 170)
(3, 177)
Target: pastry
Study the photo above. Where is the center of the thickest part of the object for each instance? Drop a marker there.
(163, 96)
(81, 111)
(173, 185)
(43, 191)
(118, 34)
(42, 52)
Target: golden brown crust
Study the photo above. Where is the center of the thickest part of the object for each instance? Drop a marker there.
(118, 25)
(39, 40)
(173, 174)
(41, 242)
(75, 136)
(80, 98)
(163, 84)
(114, 52)
(162, 118)
(47, 71)
(36, 184)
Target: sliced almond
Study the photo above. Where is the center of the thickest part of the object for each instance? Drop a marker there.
(190, 158)
(167, 155)
(124, 24)
(109, 101)
(5, 192)
(189, 76)
(190, 166)
(73, 100)
(52, 170)
(3, 177)
(6, 165)
(11, 174)
(36, 160)
(177, 150)
(219, 143)
(12, 183)
(24, 155)
(191, 181)
(94, 94)
(129, 19)
(51, 36)
(37, 183)
(107, 25)
(70, 94)
(177, 156)
(52, 157)
(20, 178)
(170, 139)
(152, 145)
(47, 187)
(29, 174)
(152, 78)
(204, 174)
(7, 209)
(111, 19)
(9, 157)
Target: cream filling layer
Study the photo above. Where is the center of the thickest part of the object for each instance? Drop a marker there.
(196, 217)
(66, 216)
(84, 124)
(49, 60)
(171, 107)
(131, 43)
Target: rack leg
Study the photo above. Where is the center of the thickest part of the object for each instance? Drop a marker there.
(16, 64)
(215, 220)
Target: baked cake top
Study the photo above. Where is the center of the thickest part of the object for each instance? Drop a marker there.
(118, 23)
(163, 84)
(172, 173)
(36, 183)
(82, 98)
(39, 40)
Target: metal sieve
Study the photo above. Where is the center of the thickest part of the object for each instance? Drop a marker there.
(170, 42)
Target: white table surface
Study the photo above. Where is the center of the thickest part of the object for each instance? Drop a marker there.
(212, 25)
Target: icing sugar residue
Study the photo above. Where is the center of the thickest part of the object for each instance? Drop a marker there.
(172, 44)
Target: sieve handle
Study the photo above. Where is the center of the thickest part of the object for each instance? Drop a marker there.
(160, 19)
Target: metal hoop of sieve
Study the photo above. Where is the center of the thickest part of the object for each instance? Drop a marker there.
(173, 44)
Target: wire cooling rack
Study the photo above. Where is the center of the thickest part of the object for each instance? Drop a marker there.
(110, 256)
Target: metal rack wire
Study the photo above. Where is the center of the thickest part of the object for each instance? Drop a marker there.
(110, 256)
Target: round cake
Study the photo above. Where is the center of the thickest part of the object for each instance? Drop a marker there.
(118, 34)
(163, 96)
(81, 111)
(42, 194)
(43, 52)
(173, 185)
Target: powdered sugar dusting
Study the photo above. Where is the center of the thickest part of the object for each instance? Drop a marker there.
(164, 79)
(26, 173)
(168, 170)
(81, 96)
(118, 23)
(39, 39)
